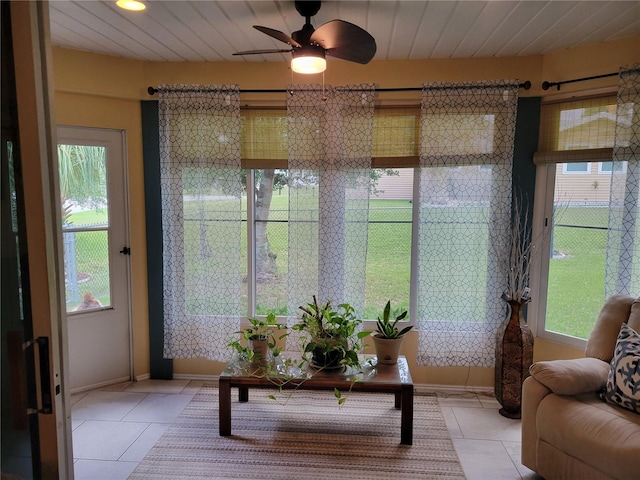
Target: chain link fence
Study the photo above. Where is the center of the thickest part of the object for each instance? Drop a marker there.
(86, 267)
(575, 291)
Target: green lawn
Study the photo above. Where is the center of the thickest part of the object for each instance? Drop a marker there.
(88, 217)
(576, 290)
(576, 273)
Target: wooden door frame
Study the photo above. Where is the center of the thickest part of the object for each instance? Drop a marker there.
(34, 94)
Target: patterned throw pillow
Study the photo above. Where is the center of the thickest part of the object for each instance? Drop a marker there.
(623, 382)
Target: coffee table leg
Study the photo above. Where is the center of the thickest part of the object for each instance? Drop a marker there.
(406, 415)
(398, 399)
(243, 394)
(224, 407)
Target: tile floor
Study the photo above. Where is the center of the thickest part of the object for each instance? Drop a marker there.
(114, 428)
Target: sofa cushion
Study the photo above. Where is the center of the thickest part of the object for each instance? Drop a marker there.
(599, 434)
(634, 316)
(602, 340)
(623, 381)
(571, 377)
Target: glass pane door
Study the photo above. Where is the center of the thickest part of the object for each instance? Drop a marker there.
(85, 226)
(575, 291)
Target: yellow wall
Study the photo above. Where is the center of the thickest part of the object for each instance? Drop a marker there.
(103, 91)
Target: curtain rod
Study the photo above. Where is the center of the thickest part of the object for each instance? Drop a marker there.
(526, 85)
(546, 85)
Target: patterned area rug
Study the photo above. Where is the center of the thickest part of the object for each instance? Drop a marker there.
(308, 437)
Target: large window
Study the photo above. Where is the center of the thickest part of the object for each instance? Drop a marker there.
(388, 277)
(390, 235)
(389, 244)
(575, 286)
(572, 205)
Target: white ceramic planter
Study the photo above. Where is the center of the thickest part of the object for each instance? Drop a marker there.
(387, 349)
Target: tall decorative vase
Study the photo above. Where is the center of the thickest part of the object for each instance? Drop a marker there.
(514, 356)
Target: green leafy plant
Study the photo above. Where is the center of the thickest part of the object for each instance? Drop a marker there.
(323, 329)
(330, 332)
(386, 327)
(259, 329)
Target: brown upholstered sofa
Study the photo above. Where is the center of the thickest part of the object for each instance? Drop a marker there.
(567, 431)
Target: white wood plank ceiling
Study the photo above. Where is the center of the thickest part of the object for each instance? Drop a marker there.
(212, 30)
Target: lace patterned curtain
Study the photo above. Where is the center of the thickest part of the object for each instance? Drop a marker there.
(330, 140)
(201, 218)
(623, 239)
(464, 217)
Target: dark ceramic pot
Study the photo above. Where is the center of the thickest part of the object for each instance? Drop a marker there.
(322, 359)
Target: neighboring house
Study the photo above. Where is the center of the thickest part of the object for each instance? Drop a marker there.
(585, 182)
(398, 187)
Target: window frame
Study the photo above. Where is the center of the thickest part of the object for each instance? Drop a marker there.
(567, 171)
(412, 160)
(602, 171)
(547, 157)
(369, 324)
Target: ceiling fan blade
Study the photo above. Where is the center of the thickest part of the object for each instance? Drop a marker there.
(278, 35)
(259, 52)
(345, 40)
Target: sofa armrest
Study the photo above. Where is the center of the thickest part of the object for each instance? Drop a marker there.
(571, 377)
(532, 394)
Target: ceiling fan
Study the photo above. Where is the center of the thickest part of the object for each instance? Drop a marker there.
(336, 38)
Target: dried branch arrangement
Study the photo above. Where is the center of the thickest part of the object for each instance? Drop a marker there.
(518, 260)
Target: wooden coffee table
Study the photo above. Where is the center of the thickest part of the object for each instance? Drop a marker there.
(394, 379)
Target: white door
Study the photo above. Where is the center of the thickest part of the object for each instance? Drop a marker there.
(96, 255)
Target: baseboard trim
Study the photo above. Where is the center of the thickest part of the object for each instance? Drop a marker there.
(433, 387)
(188, 376)
(95, 386)
(145, 376)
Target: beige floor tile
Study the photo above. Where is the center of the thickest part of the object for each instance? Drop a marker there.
(194, 386)
(459, 399)
(75, 423)
(99, 405)
(100, 440)
(489, 402)
(76, 397)
(487, 423)
(158, 386)
(514, 451)
(158, 408)
(102, 470)
(116, 387)
(452, 422)
(115, 427)
(485, 460)
(141, 446)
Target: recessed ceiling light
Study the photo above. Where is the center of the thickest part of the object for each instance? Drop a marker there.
(131, 5)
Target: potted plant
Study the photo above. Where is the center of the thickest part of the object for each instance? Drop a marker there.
(260, 338)
(387, 339)
(330, 335)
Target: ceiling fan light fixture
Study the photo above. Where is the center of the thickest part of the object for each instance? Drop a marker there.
(309, 60)
(134, 5)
